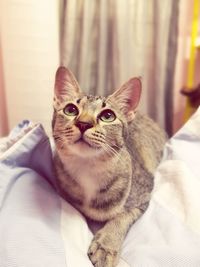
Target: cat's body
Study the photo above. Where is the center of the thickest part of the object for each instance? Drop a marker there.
(105, 158)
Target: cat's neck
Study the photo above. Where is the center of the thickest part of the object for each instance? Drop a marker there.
(72, 162)
(89, 173)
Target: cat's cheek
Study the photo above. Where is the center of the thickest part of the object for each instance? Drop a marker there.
(75, 136)
(130, 116)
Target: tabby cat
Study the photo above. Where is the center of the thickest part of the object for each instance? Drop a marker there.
(106, 154)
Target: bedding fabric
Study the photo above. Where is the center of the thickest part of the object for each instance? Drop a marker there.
(38, 228)
(30, 209)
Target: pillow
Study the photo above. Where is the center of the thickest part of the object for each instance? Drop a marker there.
(30, 208)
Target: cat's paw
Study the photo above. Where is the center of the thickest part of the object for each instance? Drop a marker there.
(102, 251)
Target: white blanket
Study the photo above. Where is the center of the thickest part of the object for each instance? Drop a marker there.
(168, 234)
(39, 229)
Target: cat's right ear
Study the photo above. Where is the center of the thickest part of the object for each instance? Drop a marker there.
(65, 84)
(127, 97)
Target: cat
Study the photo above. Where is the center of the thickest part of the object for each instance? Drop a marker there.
(106, 154)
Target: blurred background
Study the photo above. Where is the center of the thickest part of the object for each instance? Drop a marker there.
(104, 42)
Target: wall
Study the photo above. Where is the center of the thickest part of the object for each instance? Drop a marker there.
(3, 110)
(29, 39)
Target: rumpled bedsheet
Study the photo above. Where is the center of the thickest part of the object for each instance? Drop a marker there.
(38, 228)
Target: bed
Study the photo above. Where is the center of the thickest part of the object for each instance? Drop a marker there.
(38, 228)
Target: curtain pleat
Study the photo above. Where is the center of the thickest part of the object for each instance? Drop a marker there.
(170, 68)
(106, 42)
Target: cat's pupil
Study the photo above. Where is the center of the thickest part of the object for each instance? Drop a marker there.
(107, 114)
(71, 109)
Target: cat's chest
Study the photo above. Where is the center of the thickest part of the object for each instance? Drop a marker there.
(88, 178)
(89, 184)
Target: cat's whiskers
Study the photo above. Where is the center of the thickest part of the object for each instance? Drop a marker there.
(95, 142)
(110, 150)
(59, 140)
(65, 131)
(99, 136)
(106, 144)
(114, 151)
(105, 139)
(113, 145)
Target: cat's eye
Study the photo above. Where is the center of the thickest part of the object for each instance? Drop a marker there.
(71, 110)
(107, 115)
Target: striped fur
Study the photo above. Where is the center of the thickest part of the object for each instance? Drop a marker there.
(106, 171)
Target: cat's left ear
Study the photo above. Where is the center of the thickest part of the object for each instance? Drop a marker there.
(65, 84)
(127, 97)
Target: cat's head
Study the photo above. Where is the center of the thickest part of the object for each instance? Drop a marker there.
(88, 126)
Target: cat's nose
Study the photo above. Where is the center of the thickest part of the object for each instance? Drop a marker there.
(83, 126)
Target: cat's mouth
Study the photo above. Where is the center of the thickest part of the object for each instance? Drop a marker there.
(82, 141)
(84, 147)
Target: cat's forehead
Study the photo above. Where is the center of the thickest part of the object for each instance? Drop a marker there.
(90, 101)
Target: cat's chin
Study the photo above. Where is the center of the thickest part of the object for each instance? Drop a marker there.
(82, 142)
(82, 148)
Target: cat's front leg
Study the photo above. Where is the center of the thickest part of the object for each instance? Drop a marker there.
(105, 248)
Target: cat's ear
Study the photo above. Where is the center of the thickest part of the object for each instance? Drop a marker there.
(65, 84)
(127, 97)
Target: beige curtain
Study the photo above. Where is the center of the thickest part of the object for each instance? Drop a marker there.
(105, 42)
